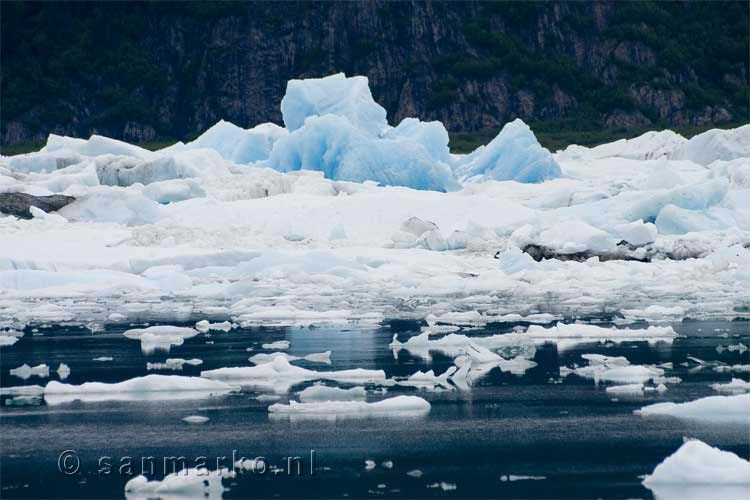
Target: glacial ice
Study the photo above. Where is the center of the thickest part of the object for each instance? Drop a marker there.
(148, 388)
(279, 375)
(514, 155)
(396, 406)
(736, 386)
(210, 226)
(337, 95)
(187, 483)
(322, 393)
(717, 408)
(696, 463)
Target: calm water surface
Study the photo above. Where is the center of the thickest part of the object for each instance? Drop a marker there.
(584, 444)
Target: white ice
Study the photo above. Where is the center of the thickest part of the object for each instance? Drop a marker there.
(400, 406)
(187, 483)
(148, 388)
(711, 408)
(316, 393)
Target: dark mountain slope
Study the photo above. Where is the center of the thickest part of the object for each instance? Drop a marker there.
(147, 71)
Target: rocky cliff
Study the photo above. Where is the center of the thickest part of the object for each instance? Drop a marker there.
(156, 70)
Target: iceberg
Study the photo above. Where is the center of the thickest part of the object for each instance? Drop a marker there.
(514, 154)
(332, 145)
(338, 95)
(237, 144)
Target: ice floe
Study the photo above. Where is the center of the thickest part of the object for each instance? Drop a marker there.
(322, 393)
(148, 388)
(187, 483)
(279, 375)
(716, 408)
(736, 386)
(399, 406)
(316, 357)
(25, 371)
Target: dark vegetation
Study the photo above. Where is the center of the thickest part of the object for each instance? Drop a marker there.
(160, 71)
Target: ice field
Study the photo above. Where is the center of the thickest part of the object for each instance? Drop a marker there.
(339, 220)
(340, 215)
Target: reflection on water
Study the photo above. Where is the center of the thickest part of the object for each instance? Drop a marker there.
(574, 438)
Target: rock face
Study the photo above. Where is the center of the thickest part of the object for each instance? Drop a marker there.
(179, 67)
(19, 204)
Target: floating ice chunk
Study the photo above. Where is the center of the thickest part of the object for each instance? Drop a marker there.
(127, 170)
(698, 196)
(279, 375)
(160, 337)
(467, 318)
(431, 135)
(204, 325)
(173, 190)
(715, 144)
(428, 380)
(655, 314)
(577, 236)
(676, 220)
(695, 462)
(332, 145)
(414, 473)
(512, 477)
(148, 388)
(9, 337)
(636, 233)
(110, 204)
(22, 390)
(443, 486)
(195, 419)
(317, 357)
(710, 408)
(514, 154)
(187, 483)
(166, 330)
(600, 359)
(103, 358)
(627, 389)
(25, 371)
(174, 364)
(736, 386)
(279, 344)
(63, 371)
(237, 144)
(513, 260)
(369, 464)
(417, 227)
(648, 146)
(631, 374)
(323, 393)
(401, 406)
(732, 368)
(336, 94)
(387, 464)
(96, 145)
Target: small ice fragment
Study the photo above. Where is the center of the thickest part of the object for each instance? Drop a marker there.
(414, 473)
(195, 419)
(63, 371)
(369, 464)
(280, 344)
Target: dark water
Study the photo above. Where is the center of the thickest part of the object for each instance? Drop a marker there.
(584, 444)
